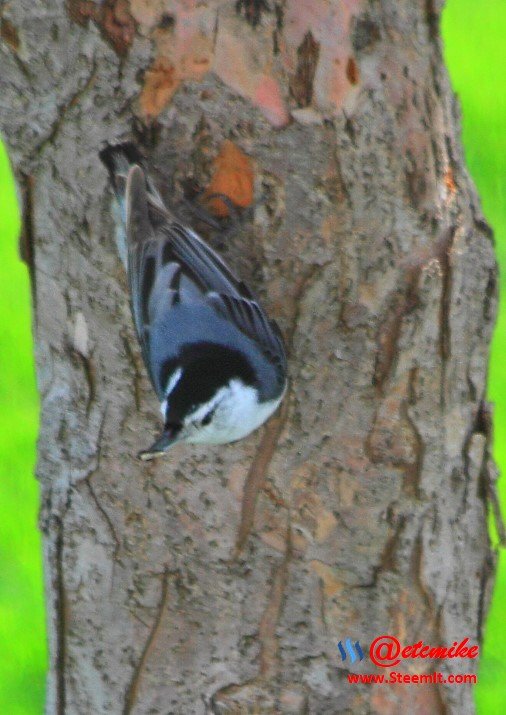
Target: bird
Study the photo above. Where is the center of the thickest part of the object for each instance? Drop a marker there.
(216, 361)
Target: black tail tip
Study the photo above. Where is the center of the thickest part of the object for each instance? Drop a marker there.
(115, 154)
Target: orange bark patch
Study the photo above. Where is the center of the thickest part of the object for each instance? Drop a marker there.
(450, 181)
(160, 83)
(118, 25)
(233, 176)
(112, 17)
(327, 575)
(81, 10)
(9, 34)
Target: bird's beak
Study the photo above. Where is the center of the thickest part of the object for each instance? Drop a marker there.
(162, 444)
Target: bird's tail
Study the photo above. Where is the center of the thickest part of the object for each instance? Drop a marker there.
(119, 160)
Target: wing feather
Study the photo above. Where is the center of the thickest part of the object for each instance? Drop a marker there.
(250, 319)
(169, 264)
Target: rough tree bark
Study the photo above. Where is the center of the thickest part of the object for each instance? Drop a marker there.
(222, 578)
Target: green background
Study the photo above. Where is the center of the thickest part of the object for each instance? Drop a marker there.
(474, 33)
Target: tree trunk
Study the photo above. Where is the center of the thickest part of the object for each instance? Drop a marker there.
(221, 579)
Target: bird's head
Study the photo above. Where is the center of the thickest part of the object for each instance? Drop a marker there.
(209, 401)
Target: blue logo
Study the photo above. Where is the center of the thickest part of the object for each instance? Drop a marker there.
(351, 649)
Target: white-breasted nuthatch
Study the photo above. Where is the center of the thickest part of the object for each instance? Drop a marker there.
(216, 362)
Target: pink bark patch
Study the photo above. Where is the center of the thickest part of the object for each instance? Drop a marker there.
(337, 73)
(268, 99)
(198, 41)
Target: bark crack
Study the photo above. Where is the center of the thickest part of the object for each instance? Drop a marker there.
(445, 306)
(257, 474)
(387, 561)
(107, 520)
(27, 235)
(93, 494)
(488, 472)
(269, 645)
(417, 571)
(134, 361)
(413, 470)
(89, 374)
(64, 109)
(258, 470)
(253, 10)
(139, 670)
(253, 693)
(486, 582)
(389, 331)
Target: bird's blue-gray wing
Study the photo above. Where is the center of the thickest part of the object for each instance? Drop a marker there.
(178, 280)
(228, 295)
(251, 320)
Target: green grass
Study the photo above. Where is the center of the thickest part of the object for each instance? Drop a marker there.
(475, 33)
(22, 639)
